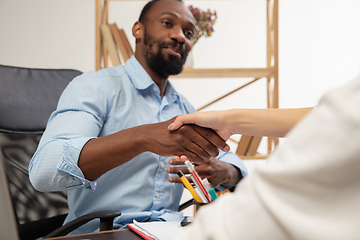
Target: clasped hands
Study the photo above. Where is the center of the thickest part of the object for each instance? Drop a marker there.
(199, 145)
(217, 172)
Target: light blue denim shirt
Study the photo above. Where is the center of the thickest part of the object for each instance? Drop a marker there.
(97, 104)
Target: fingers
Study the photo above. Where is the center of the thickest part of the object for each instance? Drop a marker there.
(197, 143)
(212, 137)
(198, 148)
(178, 160)
(158, 139)
(197, 155)
(176, 179)
(216, 120)
(184, 158)
(181, 120)
(179, 163)
(217, 172)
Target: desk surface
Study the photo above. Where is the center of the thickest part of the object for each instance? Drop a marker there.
(122, 234)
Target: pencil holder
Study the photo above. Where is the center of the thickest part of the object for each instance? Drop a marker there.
(198, 205)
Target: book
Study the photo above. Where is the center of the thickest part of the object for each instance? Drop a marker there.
(119, 42)
(243, 145)
(248, 145)
(156, 230)
(110, 44)
(126, 42)
(139, 231)
(254, 144)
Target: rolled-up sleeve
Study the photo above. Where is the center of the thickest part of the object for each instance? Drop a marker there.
(77, 119)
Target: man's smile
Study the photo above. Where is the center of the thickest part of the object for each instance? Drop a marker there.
(174, 52)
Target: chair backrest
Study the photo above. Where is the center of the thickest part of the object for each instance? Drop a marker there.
(8, 229)
(27, 98)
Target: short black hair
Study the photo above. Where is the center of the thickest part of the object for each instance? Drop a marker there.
(147, 7)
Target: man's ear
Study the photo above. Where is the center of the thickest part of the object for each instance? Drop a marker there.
(137, 30)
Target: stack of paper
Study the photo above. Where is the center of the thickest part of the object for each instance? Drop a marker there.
(156, 230)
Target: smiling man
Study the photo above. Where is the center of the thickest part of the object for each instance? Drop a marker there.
(108, 144)
(164, 39)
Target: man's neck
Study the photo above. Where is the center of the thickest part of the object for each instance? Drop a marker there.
(161, 83)
(159, 79)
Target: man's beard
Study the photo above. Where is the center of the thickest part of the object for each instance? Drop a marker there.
(157, 62)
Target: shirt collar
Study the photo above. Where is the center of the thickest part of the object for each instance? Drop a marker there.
(138, 76)
(142, 80)
(171, 93)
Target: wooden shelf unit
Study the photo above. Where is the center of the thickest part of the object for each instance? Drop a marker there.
(270, 73)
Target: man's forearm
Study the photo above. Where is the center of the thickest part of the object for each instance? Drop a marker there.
(102, 154)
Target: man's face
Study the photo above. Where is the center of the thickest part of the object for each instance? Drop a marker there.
(169, 29)
(166, 65)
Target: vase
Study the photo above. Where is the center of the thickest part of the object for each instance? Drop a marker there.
(189, 61)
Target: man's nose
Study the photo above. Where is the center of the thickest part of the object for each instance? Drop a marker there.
(178, 35)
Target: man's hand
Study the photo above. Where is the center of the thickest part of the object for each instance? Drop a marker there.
(216, 120)
(217, 172)
(197, 143)
(102, 154)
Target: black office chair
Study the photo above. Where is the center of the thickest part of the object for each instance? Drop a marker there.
(27, 98)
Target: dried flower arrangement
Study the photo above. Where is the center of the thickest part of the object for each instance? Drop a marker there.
(205, 22)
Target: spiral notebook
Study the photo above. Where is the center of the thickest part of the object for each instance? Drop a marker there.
(156, 230)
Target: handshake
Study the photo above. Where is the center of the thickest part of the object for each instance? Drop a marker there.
(197, 143)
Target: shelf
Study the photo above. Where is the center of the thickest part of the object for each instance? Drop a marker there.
(254, 157)
(225, 73)
(270, 72)
(185, 0)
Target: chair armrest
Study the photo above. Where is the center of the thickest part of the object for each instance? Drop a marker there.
(106, 222)
(40, 228)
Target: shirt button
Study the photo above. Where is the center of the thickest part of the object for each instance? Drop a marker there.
(163, 165)
(157, 195)
(155, 89)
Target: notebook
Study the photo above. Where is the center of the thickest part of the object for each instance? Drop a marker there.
(8, 226)
(156, 230)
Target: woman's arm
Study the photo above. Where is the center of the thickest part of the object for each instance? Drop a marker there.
(272, 122)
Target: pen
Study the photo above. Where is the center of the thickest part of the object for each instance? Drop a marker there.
(197, 181)
(188, 186)
(198, 191)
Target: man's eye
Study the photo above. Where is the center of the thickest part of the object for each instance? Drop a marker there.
(189, 34)
(166, 23)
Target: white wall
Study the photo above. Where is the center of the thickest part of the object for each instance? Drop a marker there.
(47, 34)
(319, 48)
(319, 43)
